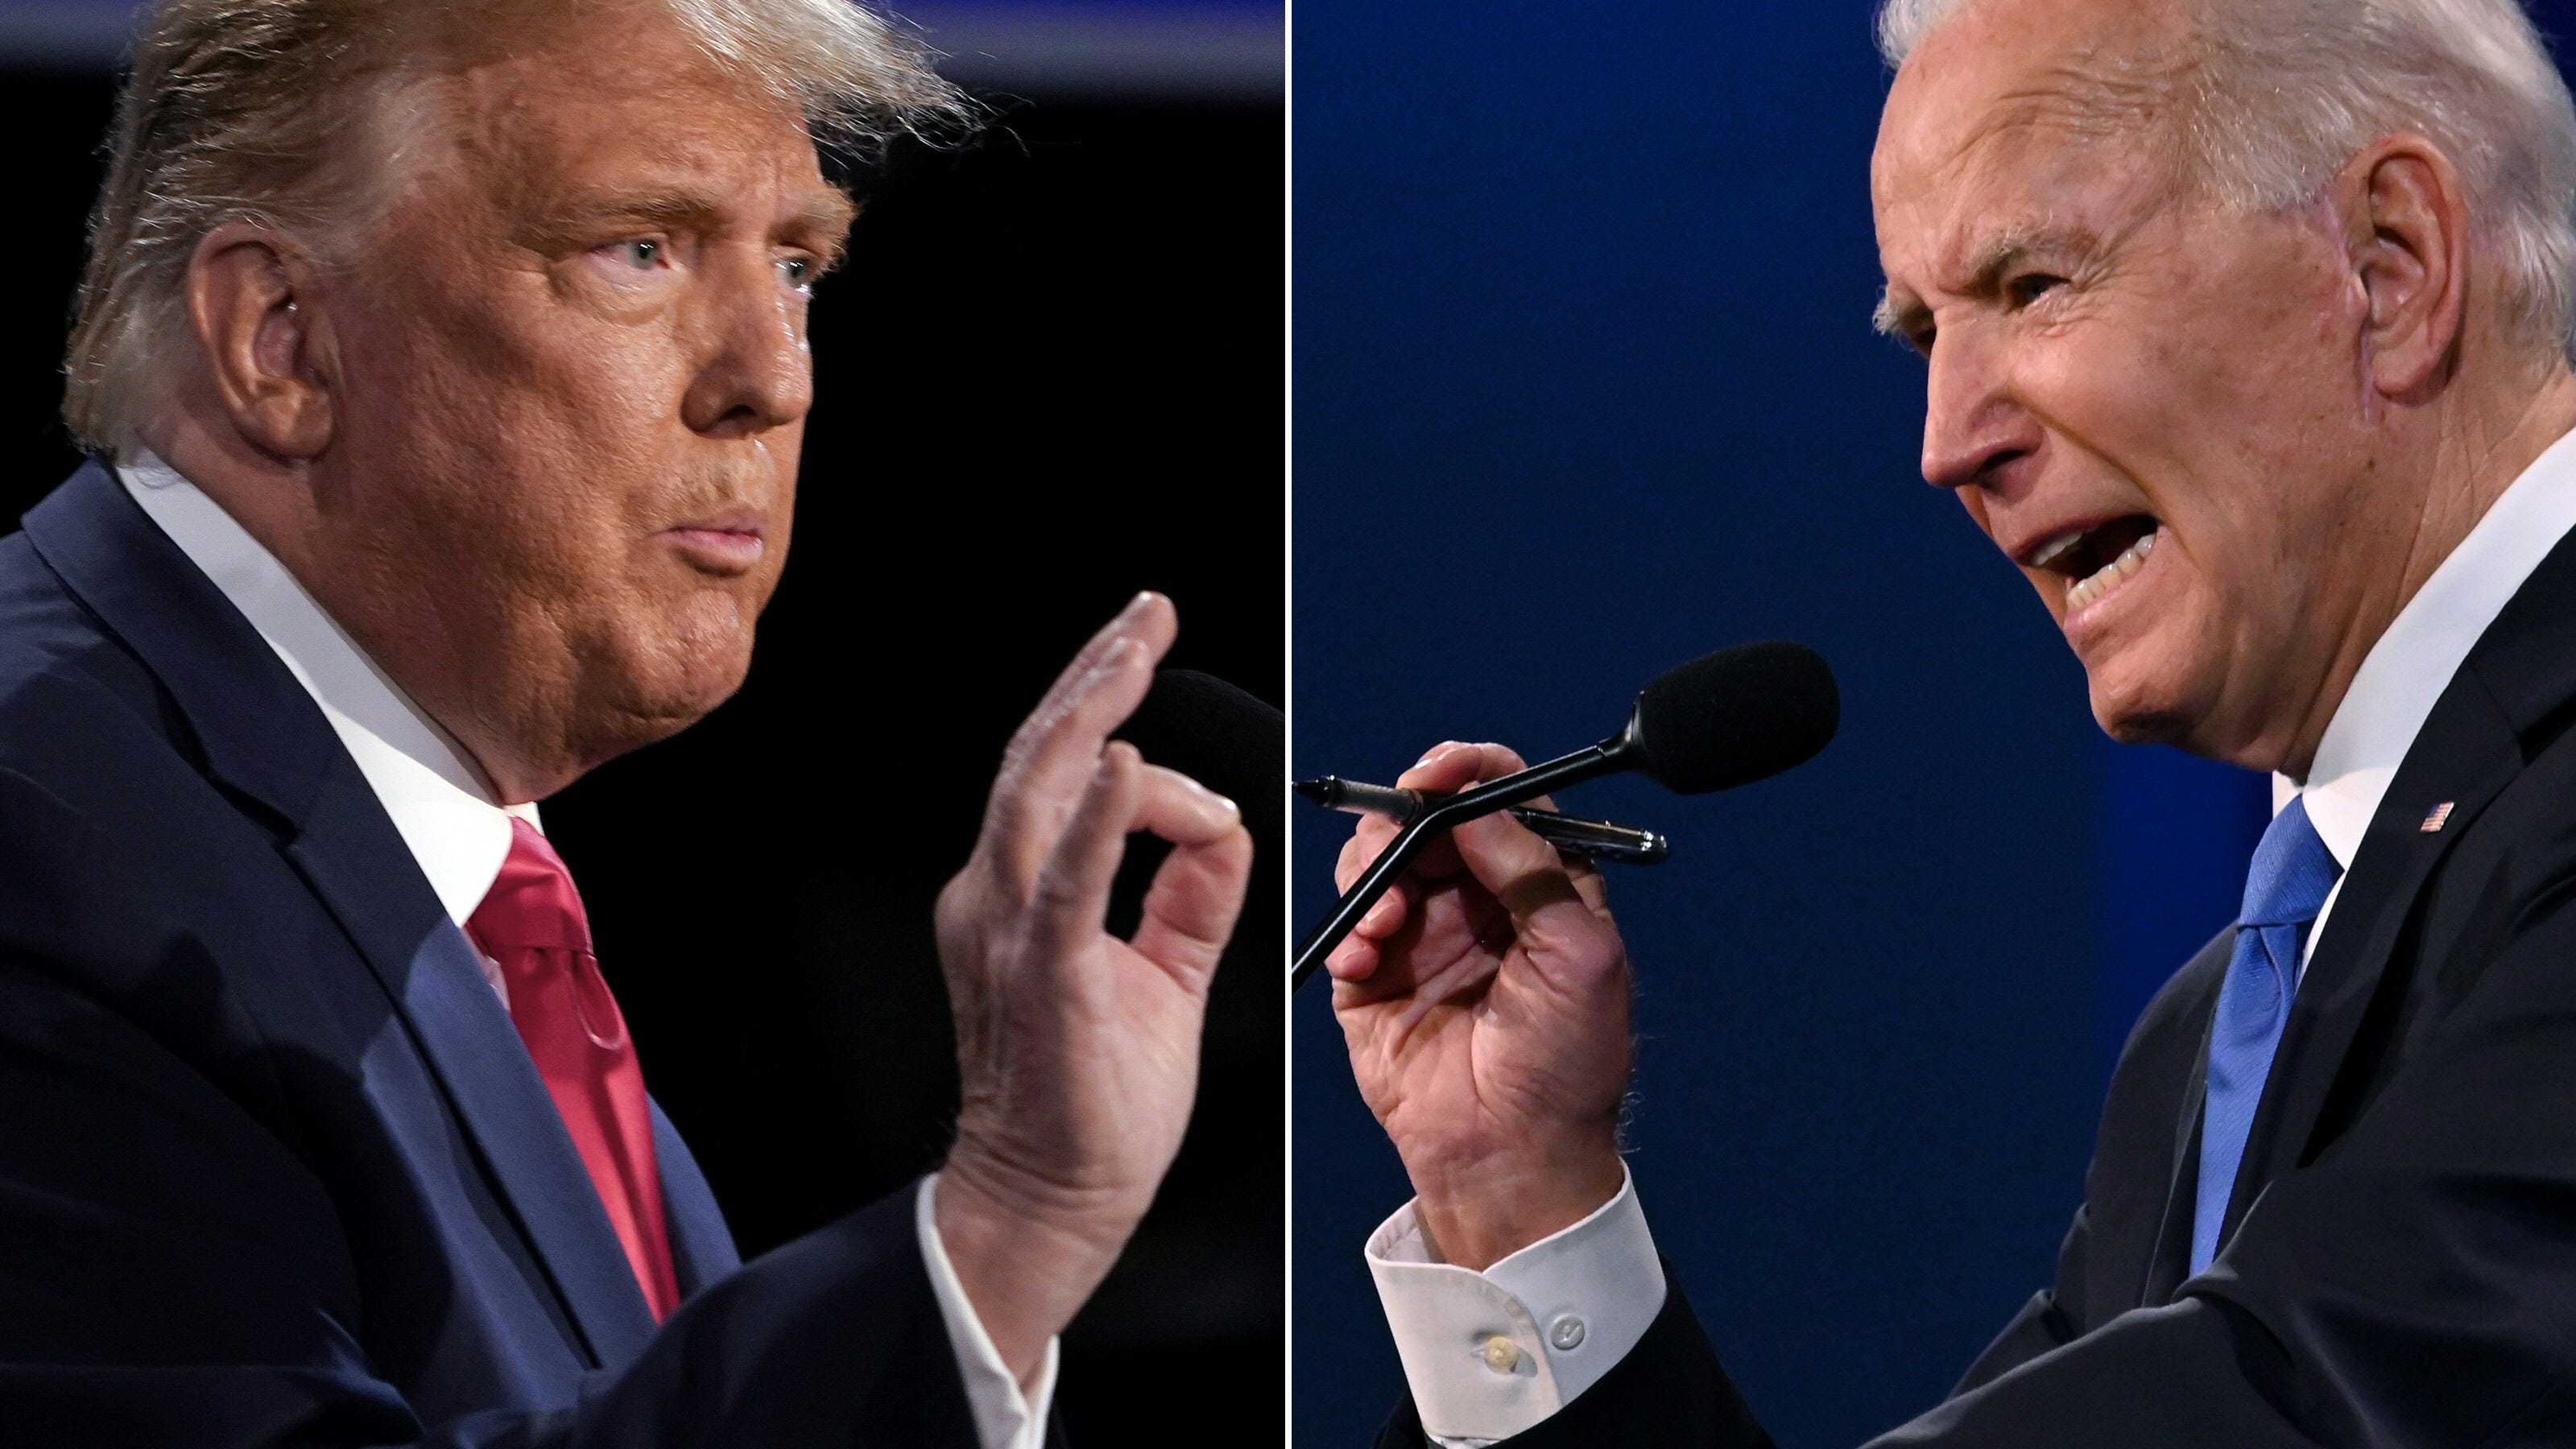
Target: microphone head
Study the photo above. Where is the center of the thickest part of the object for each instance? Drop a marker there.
(1225, 738)
(1734, 717)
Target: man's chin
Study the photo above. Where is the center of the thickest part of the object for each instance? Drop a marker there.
(2140, 706)
(662, 692)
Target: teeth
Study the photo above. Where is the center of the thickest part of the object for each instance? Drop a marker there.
(2056, 546)
(2112, 574)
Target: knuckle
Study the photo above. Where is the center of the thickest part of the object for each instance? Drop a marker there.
(1055, 895)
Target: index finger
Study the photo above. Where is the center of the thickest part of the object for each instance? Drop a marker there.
(1149, 618)
(1369, 840)
(1455, 767)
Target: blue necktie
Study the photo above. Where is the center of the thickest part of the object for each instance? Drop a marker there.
(2287, 885)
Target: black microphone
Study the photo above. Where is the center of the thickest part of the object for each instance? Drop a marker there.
(1208, 724)
(1596, 840)
(1722, 720)
(1236, 744)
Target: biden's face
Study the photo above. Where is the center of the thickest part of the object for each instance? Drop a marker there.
(575, 380)
(2153, 405)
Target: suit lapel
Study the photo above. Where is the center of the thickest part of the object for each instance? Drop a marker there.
(256, 731)
(2519, 678)
(2464, 760)
(354, 860)
(263, 739)
(702, 1248)
(2169, 1252)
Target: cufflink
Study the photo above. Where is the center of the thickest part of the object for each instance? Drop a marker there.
(1501, 1354)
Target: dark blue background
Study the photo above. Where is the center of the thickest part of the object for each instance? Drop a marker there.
(1585, 386)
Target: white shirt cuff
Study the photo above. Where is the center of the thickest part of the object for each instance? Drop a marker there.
(1489, 1355)
(1005, 1416)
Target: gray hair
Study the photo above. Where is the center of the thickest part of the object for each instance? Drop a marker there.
(2275, 96)
(250, 110)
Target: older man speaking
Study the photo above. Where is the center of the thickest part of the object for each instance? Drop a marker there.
(449, 367)
(2247, 324)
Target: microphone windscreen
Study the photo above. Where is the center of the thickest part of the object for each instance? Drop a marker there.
(1203, 726)
(1736, 716)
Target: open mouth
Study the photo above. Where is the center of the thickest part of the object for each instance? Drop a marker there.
(2096, 560)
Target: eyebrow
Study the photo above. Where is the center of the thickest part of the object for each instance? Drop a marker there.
(1987, 266)
(826, 214)
(1892, 318)
(820, 217)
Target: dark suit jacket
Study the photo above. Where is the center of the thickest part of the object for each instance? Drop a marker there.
(2402, 1269)
(274, 1167)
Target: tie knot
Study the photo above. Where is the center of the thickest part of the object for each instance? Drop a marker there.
(532, 902)
(2292, 873)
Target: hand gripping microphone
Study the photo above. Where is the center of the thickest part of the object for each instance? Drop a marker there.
(1722, 720)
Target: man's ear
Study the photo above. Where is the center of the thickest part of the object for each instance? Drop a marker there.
(2407, 231)
(264, 339)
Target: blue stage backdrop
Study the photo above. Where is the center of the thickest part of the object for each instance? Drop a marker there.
(1585, 386)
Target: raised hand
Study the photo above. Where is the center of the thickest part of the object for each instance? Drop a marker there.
(1485, 1002)
(1077, 1052)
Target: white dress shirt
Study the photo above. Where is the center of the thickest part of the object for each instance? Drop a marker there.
(2407, 670)
(1476, 1348)
(460, 836)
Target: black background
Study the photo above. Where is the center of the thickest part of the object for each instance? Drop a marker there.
(1049, 376)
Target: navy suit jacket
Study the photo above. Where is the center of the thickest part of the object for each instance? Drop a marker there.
(274, 1167)
(2402, 1266)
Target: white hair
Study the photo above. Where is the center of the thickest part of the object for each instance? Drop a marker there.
(284, 113)
(2275, 96)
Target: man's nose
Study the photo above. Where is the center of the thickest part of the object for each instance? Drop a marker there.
(1972, 422)
(757, 373)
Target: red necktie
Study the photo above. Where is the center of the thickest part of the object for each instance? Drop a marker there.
(532, 926)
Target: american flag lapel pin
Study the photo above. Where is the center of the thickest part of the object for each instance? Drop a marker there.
(2439, 816)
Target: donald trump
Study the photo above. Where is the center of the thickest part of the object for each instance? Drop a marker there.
(446, 368)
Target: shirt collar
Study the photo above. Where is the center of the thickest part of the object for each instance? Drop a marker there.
(2407, 670)
(439, 803)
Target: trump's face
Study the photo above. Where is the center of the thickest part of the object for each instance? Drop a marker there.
(573, 379)
(2155, 407)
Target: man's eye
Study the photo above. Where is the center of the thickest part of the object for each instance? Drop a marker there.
(2029, 287)
(641, 255)
(799, 271)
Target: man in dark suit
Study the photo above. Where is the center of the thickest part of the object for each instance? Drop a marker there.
(2247, 328)
(448, 368)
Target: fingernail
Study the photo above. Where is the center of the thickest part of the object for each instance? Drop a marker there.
(1137, 604)
(1435, 752)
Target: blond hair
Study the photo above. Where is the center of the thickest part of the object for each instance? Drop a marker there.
(251, 110)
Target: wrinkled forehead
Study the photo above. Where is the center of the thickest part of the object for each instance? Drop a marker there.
(547, 109)
(529, 120)
(2002, 123)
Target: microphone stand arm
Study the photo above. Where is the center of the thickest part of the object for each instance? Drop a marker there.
(1608, 757)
